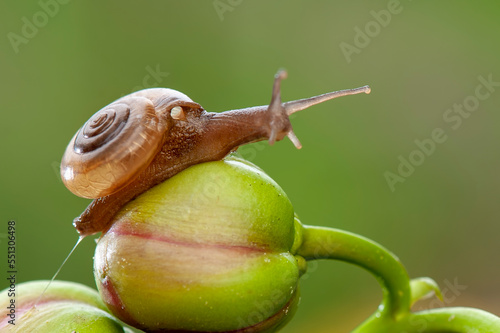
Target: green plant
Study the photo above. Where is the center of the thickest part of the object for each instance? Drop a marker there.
(65, 307)
(217, 247)
(222, 251)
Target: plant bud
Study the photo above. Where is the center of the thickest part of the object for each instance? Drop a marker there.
(64, 307)
(209, 250)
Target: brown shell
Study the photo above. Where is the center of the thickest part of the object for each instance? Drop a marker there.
(118, 142)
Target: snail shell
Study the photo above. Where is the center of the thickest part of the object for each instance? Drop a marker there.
(119, 141)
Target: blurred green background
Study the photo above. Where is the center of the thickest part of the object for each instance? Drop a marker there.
(442, 221)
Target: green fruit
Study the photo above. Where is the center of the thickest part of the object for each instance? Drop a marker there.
(209, 250)
(64, 307)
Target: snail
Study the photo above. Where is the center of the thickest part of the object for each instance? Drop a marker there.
(146, 137)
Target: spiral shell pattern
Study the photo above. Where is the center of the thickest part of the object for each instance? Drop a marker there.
(102, 128)
(112, 147)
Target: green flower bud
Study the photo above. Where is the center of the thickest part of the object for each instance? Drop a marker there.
(64, 307)
(209, 250)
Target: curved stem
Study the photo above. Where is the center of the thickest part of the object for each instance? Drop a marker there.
(393, 315)
(452, 320)
(328, 243)
(466, 320)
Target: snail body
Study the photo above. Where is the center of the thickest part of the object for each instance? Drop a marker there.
(146, 137)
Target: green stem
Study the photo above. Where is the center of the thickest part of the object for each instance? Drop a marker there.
(328, 243)
(452, 320)
(393, 316)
